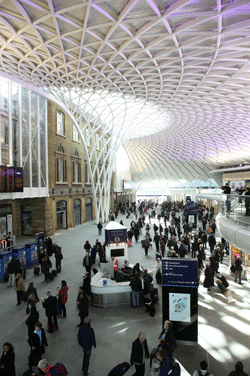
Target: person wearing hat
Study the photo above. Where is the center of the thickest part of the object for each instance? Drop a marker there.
(86, 339)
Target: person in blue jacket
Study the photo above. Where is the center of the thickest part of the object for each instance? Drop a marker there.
(86, 339)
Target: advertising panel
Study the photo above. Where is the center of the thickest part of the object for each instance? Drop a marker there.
(116, 236)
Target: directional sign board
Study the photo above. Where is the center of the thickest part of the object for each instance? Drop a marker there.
(179, 272)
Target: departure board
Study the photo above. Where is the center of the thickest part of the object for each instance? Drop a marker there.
(11, 179)
(2, 179)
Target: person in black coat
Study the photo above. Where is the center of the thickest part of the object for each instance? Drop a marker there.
(83, 306)
(86, 283)
(87, 262)
(32, 320)
(50, 310)
(38, 343)
(139, 348)
(167, 339)
(7, 361)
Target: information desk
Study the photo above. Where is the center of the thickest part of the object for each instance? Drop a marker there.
(108, 293)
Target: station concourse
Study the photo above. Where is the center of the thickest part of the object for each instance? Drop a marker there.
(223, 327)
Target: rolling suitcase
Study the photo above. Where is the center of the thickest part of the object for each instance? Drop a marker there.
(58, 309)
(54, 272)
(51, 276)
(120, 369)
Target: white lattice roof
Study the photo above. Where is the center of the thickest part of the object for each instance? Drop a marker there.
(188, 60)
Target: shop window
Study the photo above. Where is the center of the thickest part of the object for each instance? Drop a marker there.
(60, 122)
(76, 172)
(76, 136)
(61, 167)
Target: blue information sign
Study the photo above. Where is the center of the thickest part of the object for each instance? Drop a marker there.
(179, 272)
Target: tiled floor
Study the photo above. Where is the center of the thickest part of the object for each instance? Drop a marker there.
(223, 328)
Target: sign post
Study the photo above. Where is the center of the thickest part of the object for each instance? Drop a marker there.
(180, 298)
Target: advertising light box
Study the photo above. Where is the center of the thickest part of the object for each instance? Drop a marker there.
(179, 272)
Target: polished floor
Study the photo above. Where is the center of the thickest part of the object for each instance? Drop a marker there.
(223, 327)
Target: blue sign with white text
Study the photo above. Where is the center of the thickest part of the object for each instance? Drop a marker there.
(179, 273)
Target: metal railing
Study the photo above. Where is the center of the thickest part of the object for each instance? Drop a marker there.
(237, 208)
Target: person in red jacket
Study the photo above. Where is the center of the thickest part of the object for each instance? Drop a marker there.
(63, 296)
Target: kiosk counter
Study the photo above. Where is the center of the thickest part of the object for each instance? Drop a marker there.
(109, 293)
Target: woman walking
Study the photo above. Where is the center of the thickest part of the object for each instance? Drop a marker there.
(63, 297)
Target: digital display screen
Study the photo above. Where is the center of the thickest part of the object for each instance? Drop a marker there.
(179, 273)
(11, 179)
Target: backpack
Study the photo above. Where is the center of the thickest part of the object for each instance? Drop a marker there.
(175, 370)
(171, 367)
(206, 374)
(31, 297)
(60, 369)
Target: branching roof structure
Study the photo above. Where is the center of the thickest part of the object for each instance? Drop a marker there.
(177, 72)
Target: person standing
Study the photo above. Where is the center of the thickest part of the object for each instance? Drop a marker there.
(7, 361)
(115, 266)
(157, 241)
(86, 339)
(139, 353)
(50, 310)
(83, 306)
(238, 270)
(99, 226)
(238, 370)
(32, 297)
(20, 288)
(167, 339)
(38, 343)
(158, 275)
(136, 287)
(32, 320)
(87, 284)
(209, 278)
(63, 297)
(203, 371)
(11, 270)
(58, 257)
(87, 263)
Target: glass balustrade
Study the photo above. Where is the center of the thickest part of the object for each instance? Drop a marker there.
(237, 208)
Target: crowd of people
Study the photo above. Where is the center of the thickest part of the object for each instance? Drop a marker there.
(173, 235)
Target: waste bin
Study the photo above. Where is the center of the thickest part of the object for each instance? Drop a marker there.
(31, 254)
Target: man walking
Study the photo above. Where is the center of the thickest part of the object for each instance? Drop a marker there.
(87, 263)
(157, 239)
(86, 339)
(50, 310)
(139, 353)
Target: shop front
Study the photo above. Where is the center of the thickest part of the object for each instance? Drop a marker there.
(89, 215)
(61, 214)
(245, 262)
